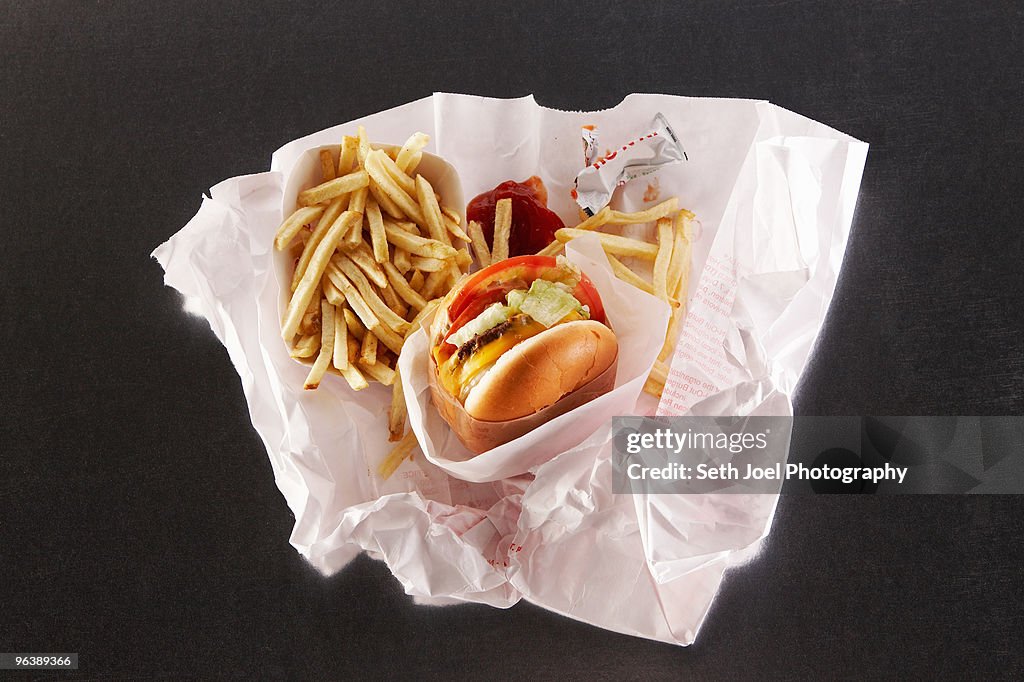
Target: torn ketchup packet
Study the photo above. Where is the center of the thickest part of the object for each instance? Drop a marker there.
(636, 158)
(774, 193)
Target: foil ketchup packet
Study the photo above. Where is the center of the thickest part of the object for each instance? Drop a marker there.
(638, 157)
(774, 193)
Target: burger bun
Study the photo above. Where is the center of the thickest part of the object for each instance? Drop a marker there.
(541, 370)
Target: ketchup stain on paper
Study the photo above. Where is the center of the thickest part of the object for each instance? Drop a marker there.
(653, 191)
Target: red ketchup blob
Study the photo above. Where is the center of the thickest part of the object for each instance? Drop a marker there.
(533, 224)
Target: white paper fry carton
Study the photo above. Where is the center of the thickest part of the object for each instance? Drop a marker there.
(774, 193)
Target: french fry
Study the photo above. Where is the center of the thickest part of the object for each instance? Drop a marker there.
(306, 346)
(394, 459)
(330, 216)
(354, 236)
(406, 226)
(463, 258)
(391, 188)
(613, 243)
(420, 246)
(354, 377)
(552, 249)
(326, 356)
(347, 154)
(414, 162)
(502, 229)
(293, 223)
(362, 145)
(354, 299)
(393, 300)
(391, 339)
(378, 371)
(334, 188)
(368, 350)
(675, 266)
(416, 281)
(404, 180)
(679, 270)
(429, 264)
(659, 372)
(358, 201)
(397, 411)
(665, 208)
(355, 325)
(432, 284)
(679, 277)
(379, 308)
(384, 201)
(672, 331)
(403, 288)
(378, 238)
(309, 284)
(327, 164)
(340, 341)
(476, 237)
(363, 257)
(310, 322)
(452, 215)
(410, 152)
(402, 261)
(627, 275)
(653, 387)
(452, 275)
(599, 219)
(666, 240)
(431, 209)
(332, 293)
(353, 349)
(453, 228)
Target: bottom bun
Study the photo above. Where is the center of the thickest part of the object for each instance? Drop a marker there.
(541, 370)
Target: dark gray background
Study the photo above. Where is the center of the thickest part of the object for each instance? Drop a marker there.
(139, 521)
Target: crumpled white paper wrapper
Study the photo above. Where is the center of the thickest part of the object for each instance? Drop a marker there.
(774, 193)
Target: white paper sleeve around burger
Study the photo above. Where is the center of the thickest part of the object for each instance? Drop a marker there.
(639, 321)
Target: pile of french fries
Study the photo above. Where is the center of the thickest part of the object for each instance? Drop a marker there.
(374, 252)
(668, 259)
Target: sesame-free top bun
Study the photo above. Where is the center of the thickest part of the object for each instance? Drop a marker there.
(542, 369)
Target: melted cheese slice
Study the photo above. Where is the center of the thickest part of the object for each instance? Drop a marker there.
(457, 376)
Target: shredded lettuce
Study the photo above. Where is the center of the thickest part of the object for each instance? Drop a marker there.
(548, 302)
(491, 317)
(515, 298)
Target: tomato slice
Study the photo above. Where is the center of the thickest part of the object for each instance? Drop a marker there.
(586, 293)
(520, 267)
(491, 284)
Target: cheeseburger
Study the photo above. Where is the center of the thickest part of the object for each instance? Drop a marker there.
(515, 339)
